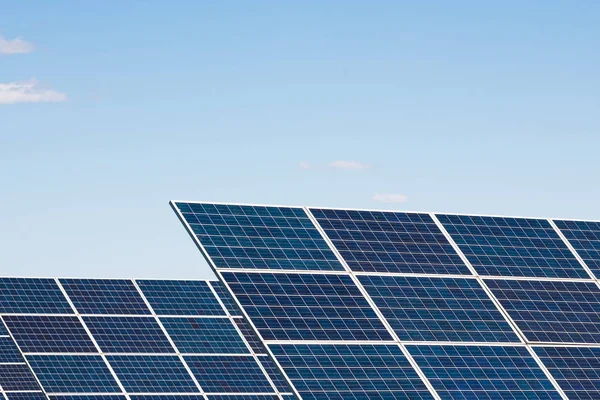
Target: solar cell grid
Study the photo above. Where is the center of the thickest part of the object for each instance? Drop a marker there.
(28, 396)
(17, 377)
(438, 309)
(204, 335)
(32, 295)
(91, 397)
(306, 306)
(128, 335)
(226, 298)
(180, 297)
(274, 373)
(259, 237)
(371, 241)
(483, 372)
(350, 371)
(9, 353)
(104, 296)
(502, 246)
(229, 374)
(576, 369)
(584, 236)
(49, 334)
(249, 335)
(551, 311)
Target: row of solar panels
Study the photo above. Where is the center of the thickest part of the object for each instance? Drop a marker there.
(79, 339)
(386, 305)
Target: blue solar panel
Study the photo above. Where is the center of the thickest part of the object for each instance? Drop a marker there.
(584, 236)
(9, 353)
(244, 397)
(552, 311)
(168, 397)
(29, 396)
(50, 334)
(512, 246)
(576, 369)
(483, 372)
(372, 241)
(259, 237)
(25, 295)
(228, 374)
(180, 297)
(204, 335)
(152, 374)
(91, 397)
(343, 372)
(73, 374)
(306, 306)
(249, 335)
(128, 335)
(104, 296)
(438, 309)
(226, 298)
(17, 377)
(274, 373)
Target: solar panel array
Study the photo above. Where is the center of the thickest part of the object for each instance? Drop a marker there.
(97, 339)
(355, 304)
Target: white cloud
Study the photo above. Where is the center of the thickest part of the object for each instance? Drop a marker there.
(304, 165)
(390, 198)
(28, 92)
(341, 164)
(15, 46)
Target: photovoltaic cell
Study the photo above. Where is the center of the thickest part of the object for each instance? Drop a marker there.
(243, 397)
(584, 236)
(128, 335)
(17, 377)
(259, 237)
(73, 374)
(372, 241)
(91, 397)
(50, 334)
(576, 369)
(31, 295)
(503, 246)
(204, 335)
(274, 373)
(249, 335)
(344, 372)
(226, 298)
(483, 372)
(228, 374)
(552, 311)
(306, 307)
(104, 296)
(9, 353)
(180, 297)
(28, 396)
(438, 309)
(168, 397)
(152, 374)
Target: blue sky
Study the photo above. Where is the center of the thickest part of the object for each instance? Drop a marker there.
(110, 109)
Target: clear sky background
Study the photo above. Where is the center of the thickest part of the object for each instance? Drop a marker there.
(110, 109)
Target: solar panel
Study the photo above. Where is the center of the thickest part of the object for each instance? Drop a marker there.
(27, 396)
(32, 296)
(259, 237)
(552, 311)
(503, 246)
(204, 335)
(105, 296)
(306, 307)
(438, 309)
(483, 372)
(17, 377)
(180, 297)
(9, 353)
(371, 241)
(584, 236)
(335, 371)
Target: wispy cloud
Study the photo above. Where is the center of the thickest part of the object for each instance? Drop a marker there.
(28, 92)
(342, 164)
(390, 198)
(15, 46)
(304, 165)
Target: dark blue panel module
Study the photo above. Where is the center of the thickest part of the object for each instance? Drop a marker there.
(552, 311)
(17, 377)
(32, 296)
(128, 335)
(243, 397)
(226, 298)
(3, 330)
(576, 369)
(180, 297)
(228, 374)
(275, 374)
(374, 241)
(91, 397)
(483, 372)
(167, 397)
(9, 353)
(104, 296)
(50, 334)
(512, 246)
(259, 237)
(584, 236)
(438, 309)
(30, 396)
(152, 374)
(250, 335)
(306, 307)
(204, 335)
(350, 372)
(73, 374)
